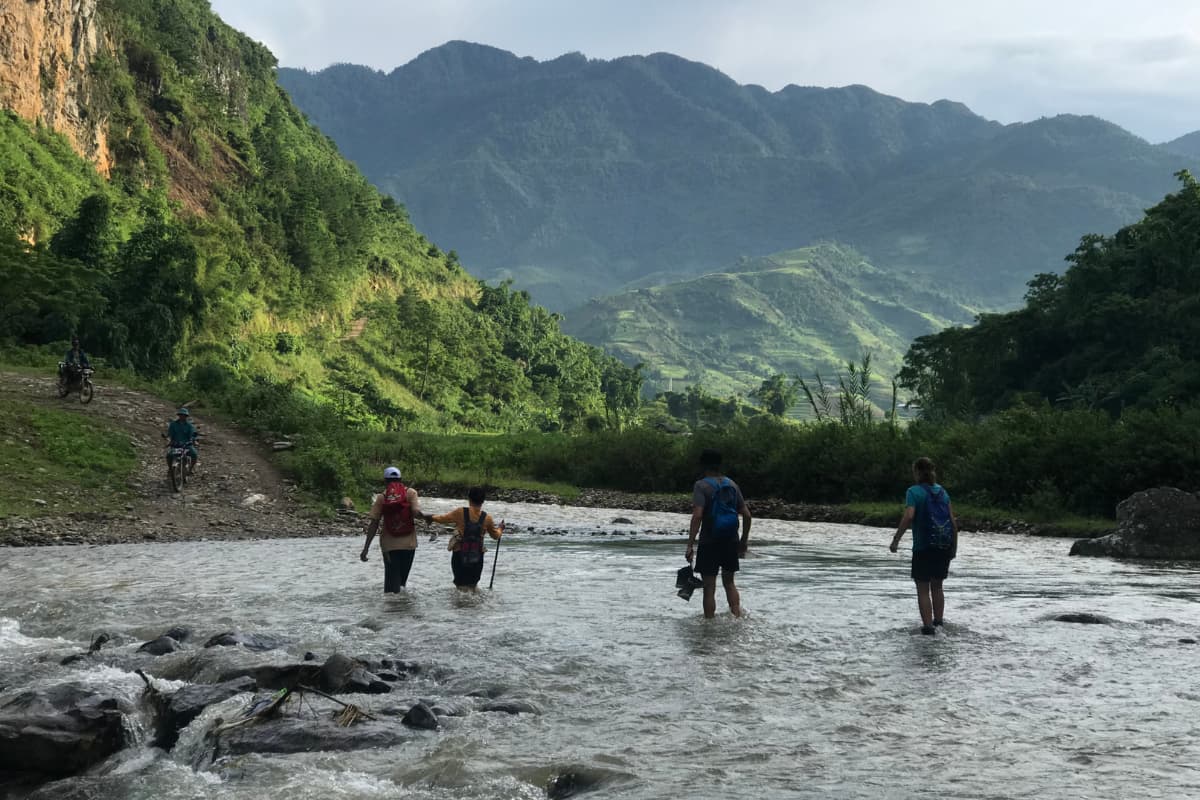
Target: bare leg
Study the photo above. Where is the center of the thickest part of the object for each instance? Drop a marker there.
(925, 604)
(939, 599)
(710, 595)
(731, 593)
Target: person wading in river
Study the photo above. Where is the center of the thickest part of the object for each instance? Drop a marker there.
(935, 541)
(395, 509)
(466, 544)
(717, 507)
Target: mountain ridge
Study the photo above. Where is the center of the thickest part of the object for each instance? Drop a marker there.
(574, 176)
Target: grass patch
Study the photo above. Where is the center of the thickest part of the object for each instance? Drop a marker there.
(71, 461)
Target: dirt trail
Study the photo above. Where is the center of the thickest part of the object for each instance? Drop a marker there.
(236, 493)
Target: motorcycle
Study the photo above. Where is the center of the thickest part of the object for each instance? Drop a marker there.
(179, 464)
(74, 378)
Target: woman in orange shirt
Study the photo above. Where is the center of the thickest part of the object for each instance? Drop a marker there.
(467, 542)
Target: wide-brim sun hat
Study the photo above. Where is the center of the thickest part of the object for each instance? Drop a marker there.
(183, 412)
(391, 474)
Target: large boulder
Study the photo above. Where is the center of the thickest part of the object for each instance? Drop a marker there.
(59, 731)
(186, 704)
(308, 735)
(1159, 523)
(276, 676)
(344, 675)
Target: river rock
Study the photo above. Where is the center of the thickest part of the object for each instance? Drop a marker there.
(59, 731)
(570, 783)
(1083, 618)
(622, 521)
(1161, 523)
(341, 674)
(160, 646)
(276, 676)
(179, 633)
(308, 735)
(187, 703)
(511, 707)
(251, 641)
(421, 716)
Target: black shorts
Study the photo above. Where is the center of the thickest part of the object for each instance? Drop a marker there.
(466, 574)
(718, 555)
(930, 565)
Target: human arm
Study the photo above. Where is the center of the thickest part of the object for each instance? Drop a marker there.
(693, 531)
(906, 520)
(744, 544)
(373, 527)
(954, 525)
(494, 530)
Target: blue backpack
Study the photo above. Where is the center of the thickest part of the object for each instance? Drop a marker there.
(722, 508)
(938, 525)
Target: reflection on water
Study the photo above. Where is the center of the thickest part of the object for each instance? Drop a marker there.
(824, 689)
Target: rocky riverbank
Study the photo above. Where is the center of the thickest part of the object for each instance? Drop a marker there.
(764, 508)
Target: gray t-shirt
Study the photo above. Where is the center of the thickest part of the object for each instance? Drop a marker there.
(702, 494)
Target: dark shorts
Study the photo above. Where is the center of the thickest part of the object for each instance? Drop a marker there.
(466, 574)
(717, 556)
(930, 565)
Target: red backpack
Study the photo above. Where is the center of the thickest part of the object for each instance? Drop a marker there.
(397, 511)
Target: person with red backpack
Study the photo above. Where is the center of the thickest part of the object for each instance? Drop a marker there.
(935, 541)
(395, 511)
(466, 544)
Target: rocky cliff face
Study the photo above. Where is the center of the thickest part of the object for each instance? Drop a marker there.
(46, 48)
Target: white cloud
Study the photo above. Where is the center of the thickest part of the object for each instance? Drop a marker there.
(1137, 64)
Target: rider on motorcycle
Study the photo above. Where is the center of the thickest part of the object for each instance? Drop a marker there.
(182, 433)
(74, 361)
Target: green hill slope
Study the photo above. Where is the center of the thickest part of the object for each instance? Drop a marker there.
(796, 312)
(575, 176)
(232, 240)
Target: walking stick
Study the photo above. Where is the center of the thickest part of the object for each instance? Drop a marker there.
(496, 555)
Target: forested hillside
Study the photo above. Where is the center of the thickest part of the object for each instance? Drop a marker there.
(795, 313)
(577, 176)
(1187, 145)
(1120, 329)
(230, 241)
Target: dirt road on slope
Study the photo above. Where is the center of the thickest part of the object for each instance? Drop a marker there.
(236, 492)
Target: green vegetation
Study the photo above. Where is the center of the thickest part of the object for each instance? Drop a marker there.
(68, 460)
(792, 313)
(235, 245)
(1119, 331)
(578, 176)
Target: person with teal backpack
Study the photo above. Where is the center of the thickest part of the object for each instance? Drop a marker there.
(935, 541)
(717, 509)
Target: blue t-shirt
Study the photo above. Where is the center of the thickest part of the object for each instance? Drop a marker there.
(915, 498)
(181, 433)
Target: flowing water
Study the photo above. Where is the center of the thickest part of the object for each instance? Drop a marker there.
(824, 689)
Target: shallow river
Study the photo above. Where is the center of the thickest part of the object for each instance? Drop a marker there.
(825, 689)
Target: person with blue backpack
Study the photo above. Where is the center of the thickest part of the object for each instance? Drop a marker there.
(717, 508)
(935, 541)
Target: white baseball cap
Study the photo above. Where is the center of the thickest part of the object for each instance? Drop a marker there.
(391, 473)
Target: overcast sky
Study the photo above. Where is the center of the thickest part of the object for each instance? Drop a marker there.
(1137, 64)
